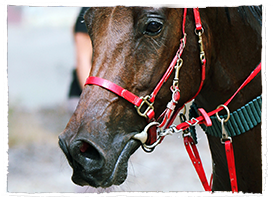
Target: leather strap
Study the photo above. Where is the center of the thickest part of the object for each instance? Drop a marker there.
(253, 74)
(174, 61)
(207, 120)
(196, 161)
(231, 166)
(115, 89)
(198, 26)
(197, 18)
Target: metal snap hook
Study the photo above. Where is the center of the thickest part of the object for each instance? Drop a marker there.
(228, 113)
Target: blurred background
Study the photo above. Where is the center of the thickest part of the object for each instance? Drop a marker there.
(40, 60)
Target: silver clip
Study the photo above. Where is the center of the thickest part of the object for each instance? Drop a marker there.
(170, 131)
(224, 132)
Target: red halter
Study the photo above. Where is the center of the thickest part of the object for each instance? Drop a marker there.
(148, 100)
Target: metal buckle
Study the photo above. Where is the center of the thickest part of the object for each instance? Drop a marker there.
(192, 119)
(145, 100)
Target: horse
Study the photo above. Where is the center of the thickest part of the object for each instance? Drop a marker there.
(132, 49)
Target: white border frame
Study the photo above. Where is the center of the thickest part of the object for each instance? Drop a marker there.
(267, 80)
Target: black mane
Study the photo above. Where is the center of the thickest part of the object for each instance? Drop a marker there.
(251, 12)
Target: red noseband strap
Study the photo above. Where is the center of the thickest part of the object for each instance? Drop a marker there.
(115, 89)
(130, 97)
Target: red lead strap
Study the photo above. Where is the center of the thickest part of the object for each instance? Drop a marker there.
(231, 166)
(196, 161)
(228, 143)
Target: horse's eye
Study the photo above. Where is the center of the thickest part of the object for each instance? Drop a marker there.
(153, 28)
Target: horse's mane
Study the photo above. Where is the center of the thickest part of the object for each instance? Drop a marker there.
(248, 12)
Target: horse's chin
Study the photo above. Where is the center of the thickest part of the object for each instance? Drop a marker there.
(118, 174)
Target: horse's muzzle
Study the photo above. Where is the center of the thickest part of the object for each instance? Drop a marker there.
(85, 159)
(90, 165)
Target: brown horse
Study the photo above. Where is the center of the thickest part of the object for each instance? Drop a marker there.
(133, 47)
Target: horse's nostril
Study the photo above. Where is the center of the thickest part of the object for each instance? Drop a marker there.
(84, 147)
(86, 155)
(89, 151)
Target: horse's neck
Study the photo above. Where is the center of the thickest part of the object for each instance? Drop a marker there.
(223, 83)
(236, 53)
(235, 50)
(247, 147)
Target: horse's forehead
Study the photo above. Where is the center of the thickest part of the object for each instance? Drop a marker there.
(120, 12)
(127, 9)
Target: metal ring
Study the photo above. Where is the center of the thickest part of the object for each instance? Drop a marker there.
(196, 32)
(147, 150)
(228, 113)
(152, 146)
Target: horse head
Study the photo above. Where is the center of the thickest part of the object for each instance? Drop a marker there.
(132, 48)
